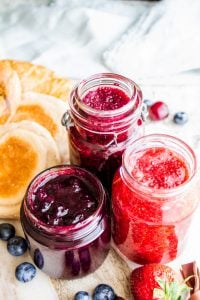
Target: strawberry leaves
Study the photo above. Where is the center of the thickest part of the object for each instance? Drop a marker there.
(170, 290)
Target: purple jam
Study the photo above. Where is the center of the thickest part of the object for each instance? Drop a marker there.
(64, 200)
(106, 98)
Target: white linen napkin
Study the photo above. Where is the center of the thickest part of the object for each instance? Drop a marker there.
(165, 41)
(67, 36)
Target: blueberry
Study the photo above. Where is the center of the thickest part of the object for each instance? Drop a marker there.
(104, 291)
(25, 272)
(7, 231)
(180, 118)
(148, 102)
(38, 259)
(82, 296)
(17, 246)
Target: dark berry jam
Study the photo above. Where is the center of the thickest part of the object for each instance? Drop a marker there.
(105, 113)
(153, 199)
(106, 98)
(64, 200)
(66, 220)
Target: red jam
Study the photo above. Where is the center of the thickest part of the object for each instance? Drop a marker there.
(159, 168)
(152, 201)
(106, 118)
(66, 221)
(106, 98)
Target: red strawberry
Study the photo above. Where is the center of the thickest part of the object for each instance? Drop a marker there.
(156, 282)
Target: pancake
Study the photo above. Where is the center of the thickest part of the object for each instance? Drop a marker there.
(33, 100)
(40, 79)
(22, 156)
(10, 92)
(52, 156)
(46, 111)
(10, 211)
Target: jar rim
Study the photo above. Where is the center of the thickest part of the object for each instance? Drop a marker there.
(75, 231)
(162, 139)
(135, 91)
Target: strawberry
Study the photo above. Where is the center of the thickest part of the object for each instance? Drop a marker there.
(156, 282)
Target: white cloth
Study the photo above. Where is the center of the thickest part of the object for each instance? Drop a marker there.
(165, 41)
(146, 41)
(67, 36)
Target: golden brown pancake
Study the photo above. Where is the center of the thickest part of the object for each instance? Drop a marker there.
(46, 111)
(31, 135)
(22, 156)
(40, 79)
(10, 92)
(52, 156)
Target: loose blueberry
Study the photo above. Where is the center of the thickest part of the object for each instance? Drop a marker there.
(148, 102)
(17, 246)
(82, 296)
(104, 291)
(25, 272)
(38, 259)
(180, 118)
(158, 111)
(7, 231)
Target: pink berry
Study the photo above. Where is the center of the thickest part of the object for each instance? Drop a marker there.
(158, 111)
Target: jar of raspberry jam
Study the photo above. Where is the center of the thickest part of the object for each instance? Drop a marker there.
(66, 221)
(105, 117)
(153, 198)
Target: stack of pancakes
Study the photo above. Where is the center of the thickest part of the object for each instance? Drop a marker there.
(32, 102)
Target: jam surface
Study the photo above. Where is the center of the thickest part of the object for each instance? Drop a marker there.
(148, 229)
(106, 98)
(160, 168)
(64, 200)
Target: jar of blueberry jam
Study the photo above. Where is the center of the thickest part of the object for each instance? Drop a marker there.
(105, 117)
(66, 221)
(154, 197)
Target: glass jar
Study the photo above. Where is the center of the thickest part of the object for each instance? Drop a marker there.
(99, 132)
(67, 238)
(153, 199)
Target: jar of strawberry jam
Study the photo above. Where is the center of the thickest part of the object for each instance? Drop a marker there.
(66, 221)
(105, 117)
(153, 198)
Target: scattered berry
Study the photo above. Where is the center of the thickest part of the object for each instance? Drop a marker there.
(156, 281)
(104, 291)
(7, 231)
(38, 259)
(25, 272)
(180, 118)
(148, 102)
(158, 111)
(17, 246)
(82, 296)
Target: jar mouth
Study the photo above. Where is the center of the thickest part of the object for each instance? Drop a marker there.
(158, 140)
(107, 79)
(78, 229)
